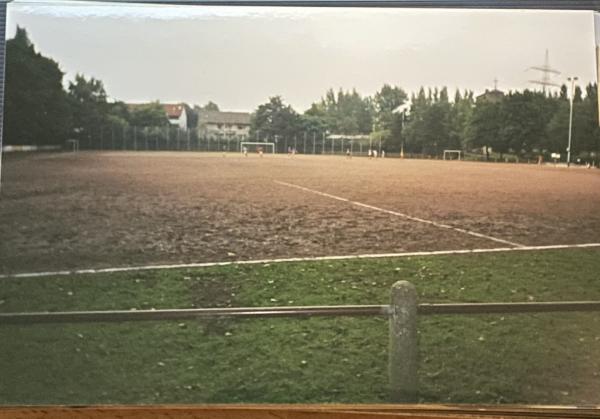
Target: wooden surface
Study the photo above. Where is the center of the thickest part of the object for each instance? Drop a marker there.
(297, 412)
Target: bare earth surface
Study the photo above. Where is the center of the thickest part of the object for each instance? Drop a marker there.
(91, 210)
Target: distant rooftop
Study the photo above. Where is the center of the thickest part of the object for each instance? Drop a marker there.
(218, 117)
(491, 95)
(173, 110)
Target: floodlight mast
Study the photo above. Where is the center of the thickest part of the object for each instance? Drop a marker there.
(572, 80)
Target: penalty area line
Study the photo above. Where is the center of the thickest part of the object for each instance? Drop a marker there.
(297, 259)
(400, 214)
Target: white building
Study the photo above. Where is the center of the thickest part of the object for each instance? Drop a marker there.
(216, 124)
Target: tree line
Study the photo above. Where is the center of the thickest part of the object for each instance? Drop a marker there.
(39, 109)
(525, 123)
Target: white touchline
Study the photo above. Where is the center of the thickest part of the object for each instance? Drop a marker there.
(297, 259)
(399, 214)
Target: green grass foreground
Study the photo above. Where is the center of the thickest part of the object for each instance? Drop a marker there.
(544, 358)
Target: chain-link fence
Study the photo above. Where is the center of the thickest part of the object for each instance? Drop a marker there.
(132, 138)
(172, 138)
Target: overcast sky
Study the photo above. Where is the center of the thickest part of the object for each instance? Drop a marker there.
(238, 57)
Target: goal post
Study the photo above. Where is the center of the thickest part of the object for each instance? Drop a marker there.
(72, 145)
(253, 146)
(449, 153)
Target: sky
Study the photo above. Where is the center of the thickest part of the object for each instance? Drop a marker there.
(240, 56)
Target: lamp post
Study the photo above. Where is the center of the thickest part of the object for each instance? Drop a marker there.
(572, 80)
(402, 110)
(402, 134)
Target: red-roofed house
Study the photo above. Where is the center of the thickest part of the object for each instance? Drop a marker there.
(177, 114)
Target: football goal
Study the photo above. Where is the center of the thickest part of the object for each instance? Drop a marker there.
(255, 147)
(449, 154)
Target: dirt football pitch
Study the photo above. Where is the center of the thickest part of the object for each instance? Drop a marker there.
(110, 209)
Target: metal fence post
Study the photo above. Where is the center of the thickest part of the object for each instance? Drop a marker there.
(403, 351)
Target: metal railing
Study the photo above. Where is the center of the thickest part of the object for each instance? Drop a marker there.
(402, 313)
(423, 309)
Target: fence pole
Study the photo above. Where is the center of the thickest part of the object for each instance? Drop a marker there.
(403, 351)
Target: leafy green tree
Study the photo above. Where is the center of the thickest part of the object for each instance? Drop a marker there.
(388, 118)
(591, 128)
(150, 115)
(485, 125)
(316, 124)
(525, 116)
(118, 114)
(344, 113)
(585, 130)
(274, 120)
(429, 124)
(36, 106)
(210, 106)
(192, 116)
(89, 104)
(462, 109)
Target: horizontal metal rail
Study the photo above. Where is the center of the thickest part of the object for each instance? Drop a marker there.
(293, 311)
(148, 315)
(508, 308)
(426, 4)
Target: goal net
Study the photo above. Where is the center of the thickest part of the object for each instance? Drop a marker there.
(452, 154)
(255, 147)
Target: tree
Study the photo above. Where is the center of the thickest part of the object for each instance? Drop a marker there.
(313, 124)
(460, 116)
(274, 120)
(428, 126)
(149, 115)
(388, 117)
(345, 113)
(118, 116)
(585, 131)
(89, 104)
(36, 106)
(210, 106)
(485, 125)
(525, 116)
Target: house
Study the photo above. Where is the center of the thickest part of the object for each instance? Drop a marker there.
(491, 96)
(177, 114)
(217, 124)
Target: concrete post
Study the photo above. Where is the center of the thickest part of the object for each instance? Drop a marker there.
(403, 351)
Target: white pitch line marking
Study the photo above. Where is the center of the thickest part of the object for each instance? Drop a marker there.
(400, 214)
(298, 259)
